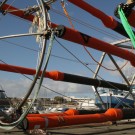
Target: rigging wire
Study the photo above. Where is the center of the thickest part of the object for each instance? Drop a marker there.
(109, 69)
(89, 53)
(8, 8)
(87, 25)
(130, 33)
(83, 63)
(52, 55)
(76, 20)
(66, 13)
(71, 18)
(37, 82)
(102, 64)
(42, 74)
(79, 62)
(83, 22)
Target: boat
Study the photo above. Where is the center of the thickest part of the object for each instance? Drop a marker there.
(4, 102)
(87, 104)
(114, 98)
(5, 105)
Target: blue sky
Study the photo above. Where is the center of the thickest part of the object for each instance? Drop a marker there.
(17, 85)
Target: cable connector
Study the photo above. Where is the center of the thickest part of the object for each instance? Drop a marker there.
(49, 2)
(130, 1)
(47, 34)
(31, 10)
(127, 9)
(1, 4)
(60, 30)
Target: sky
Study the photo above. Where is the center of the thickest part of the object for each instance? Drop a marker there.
(23, 51)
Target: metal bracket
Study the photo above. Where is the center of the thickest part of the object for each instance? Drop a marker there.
(31, 10)
(1, 4)
(60, 31)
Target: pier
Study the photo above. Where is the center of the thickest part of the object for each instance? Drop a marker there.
(108, 128)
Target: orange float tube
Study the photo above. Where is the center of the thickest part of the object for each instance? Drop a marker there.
(70, 112)
(84, 39)
(31, 123)
(108, 21)
(55, 75)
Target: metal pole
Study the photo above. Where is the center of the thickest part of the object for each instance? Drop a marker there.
(21, 35)
(101, 60)
(126, 80)
(116, 65)
(95, 75)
